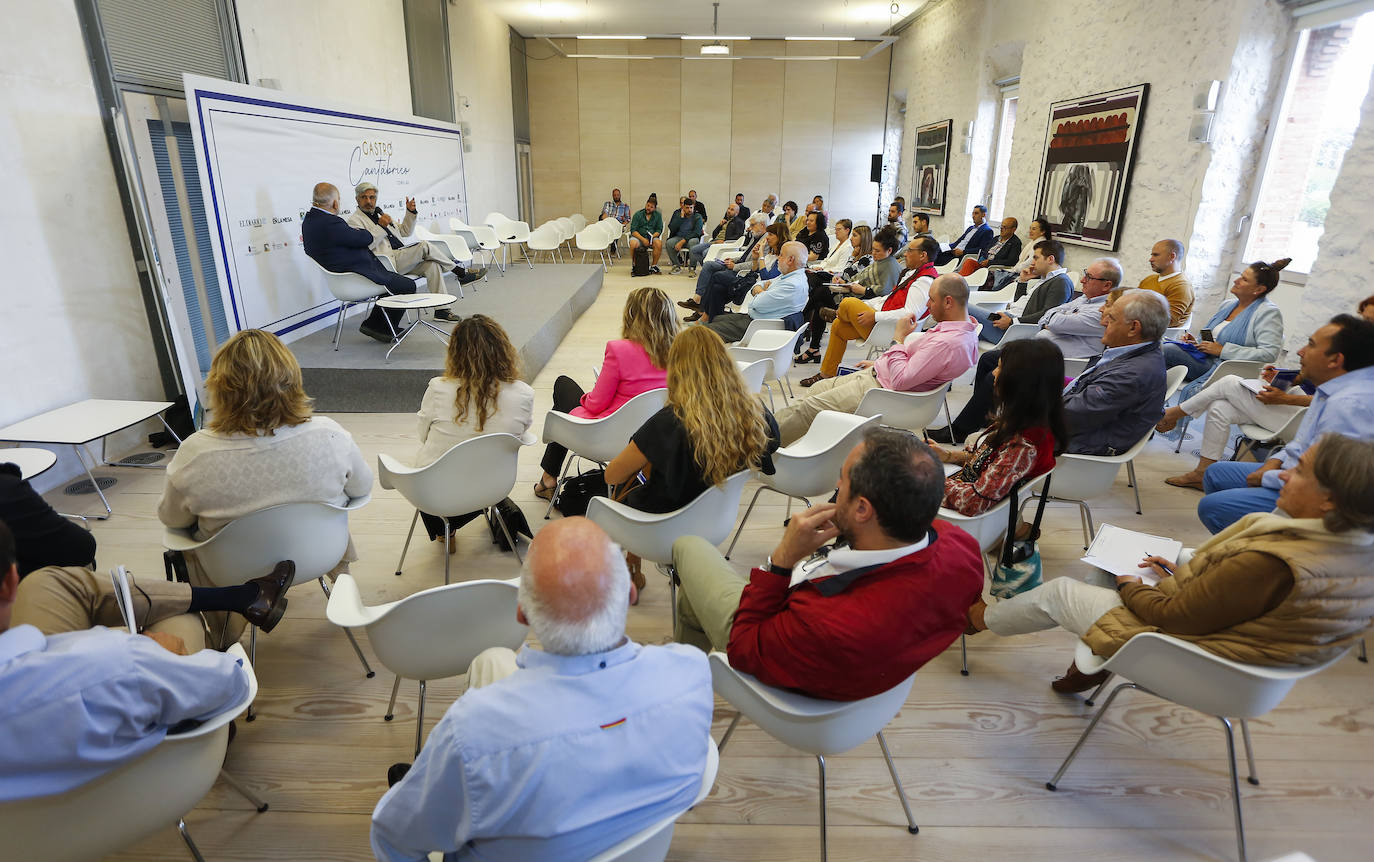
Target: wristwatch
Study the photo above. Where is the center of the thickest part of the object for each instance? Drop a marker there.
(773, 567)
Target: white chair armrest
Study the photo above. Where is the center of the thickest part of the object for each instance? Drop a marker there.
(346, 608)
(179, 539)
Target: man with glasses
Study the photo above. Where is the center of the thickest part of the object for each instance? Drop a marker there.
(1055, 289)
(1076, 328)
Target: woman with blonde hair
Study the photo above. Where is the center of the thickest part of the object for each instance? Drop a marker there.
(634, 364)
(480, 392)
(261, 448)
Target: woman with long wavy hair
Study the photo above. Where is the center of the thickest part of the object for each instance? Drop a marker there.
(711, 428)
(634, 363)
(480, 392)
(860, 242)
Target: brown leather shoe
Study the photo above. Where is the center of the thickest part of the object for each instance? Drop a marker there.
(829, 315)
(692, 318)
(691, 303)
(1075, 680)
(266, 610)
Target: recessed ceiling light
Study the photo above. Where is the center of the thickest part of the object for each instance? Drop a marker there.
(715, 49)
(717, 38)
(612, 37)
(819, 38)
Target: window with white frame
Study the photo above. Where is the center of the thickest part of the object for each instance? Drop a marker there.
(1001, 162)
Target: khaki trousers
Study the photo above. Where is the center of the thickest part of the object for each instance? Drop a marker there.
(708, 597)
(491, 665)
(841, 394)
(57, 600)
(845, 329)
(1065, 602)
(425, 259)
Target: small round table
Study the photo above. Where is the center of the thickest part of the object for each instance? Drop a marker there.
(32, 462)
(418, 302)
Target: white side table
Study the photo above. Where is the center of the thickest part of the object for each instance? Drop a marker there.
(418, 302)
(32, 462)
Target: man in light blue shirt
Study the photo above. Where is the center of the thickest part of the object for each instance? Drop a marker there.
(75, 705)
(1339, 359)
(783, 296)
(578, 746)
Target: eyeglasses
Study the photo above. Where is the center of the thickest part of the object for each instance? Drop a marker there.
(1087, 277)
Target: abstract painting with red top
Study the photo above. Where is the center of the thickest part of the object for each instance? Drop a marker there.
(1086, 169)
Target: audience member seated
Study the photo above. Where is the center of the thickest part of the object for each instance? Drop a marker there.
(331, 243)
(1166, 277)
(818, 206)
(615, 209)
(855, 318)
(261, 448)
(1004, 251)
(739, 205)
(561, 751)
(1055, 288)
(1287, 588)
(814, 237)
(733, 283)
(430, 260)
(79, 703)
(975, 240)
(775, 299)
(730, 228)
(646, 230)
(1339, 359)
(768, 209)
(997, 279)
(756, 227)
(634, 364)
(896, 222)
(920, 225)
(854, 618)
(1027, 429)
(918, 362)
(1075, 328)
(697, 206)
(41, 536)
(480, 392)
(858, 248)
(1248, 326)
(839, 256)
(684, 230)
(793, 220)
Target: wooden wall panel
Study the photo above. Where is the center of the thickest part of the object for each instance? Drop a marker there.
(756, 130)
(705, 133)
(603, 106)
(655, 112)
(860, 106)
(808, 122)
(555, 154)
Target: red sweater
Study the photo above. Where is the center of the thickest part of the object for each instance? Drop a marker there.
(866, 638)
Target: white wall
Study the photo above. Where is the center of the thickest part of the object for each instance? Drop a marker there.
(73, 325)
(479, 48)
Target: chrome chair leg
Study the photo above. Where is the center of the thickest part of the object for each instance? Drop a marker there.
(897, 783)
(820, 766)
(509, 538)
(1253, 778)
(367, 668)
(190, 845)
(1235, 786)
(1364, 654)
(963, 654)
(253, 661)
(243, 790)
(747, 512)
(734, 722)
(1053, 783)
(420, 719)
(1097, 691)
(1135, 486)
(406, 547)
(447, 556)
(558, 483)
(391, 704)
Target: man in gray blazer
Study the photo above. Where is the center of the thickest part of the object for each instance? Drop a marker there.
(1120, 396)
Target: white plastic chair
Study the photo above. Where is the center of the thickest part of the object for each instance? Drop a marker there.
(486, 240)
(1252, 435)
(548, 238)
(754, 373)
(350, 289)
(509, 232)
(994, 300)
(776, 345)
(879, 338)
(132, 801)
(717, 251)
(818, 727)
(432, 634)
(811, 465)
(758, 324)
(1173, 379)
(651, 844)
(1244, 368)
(1074, 366)
(314, 536)
(472, 476)
(567, 228)
(594, 239)
(1190, 676)
(602, 439)
(650, 536)
(1015, 332)
(579, 221)
(949, 266)
(914, 411)
(1080, 478)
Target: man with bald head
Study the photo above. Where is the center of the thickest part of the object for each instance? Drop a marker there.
(334, 245)
(776, 298)
(563, 751)
(1167, 279)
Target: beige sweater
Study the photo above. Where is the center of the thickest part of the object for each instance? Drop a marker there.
(439, 430)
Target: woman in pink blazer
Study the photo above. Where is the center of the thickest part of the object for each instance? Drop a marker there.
(634, 363)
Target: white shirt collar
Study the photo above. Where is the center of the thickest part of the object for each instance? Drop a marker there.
(1174, 274)
(841, 560)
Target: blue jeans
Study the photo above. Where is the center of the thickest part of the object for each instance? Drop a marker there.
(708, 269)
(990, 333)
(1227, 498)
(696, 253)
(1175, 355)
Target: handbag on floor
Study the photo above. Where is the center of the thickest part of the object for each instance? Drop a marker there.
(640, 264)
(577, 492)
(1018, 569)
(514, 519)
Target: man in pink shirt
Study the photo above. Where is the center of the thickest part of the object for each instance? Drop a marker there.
(918, 362)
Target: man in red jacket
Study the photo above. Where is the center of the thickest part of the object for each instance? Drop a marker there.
(853, 619)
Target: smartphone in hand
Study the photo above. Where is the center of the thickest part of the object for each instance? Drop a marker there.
(1284, 379)
(1207, 335)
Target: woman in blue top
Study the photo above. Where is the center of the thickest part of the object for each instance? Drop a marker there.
(731, 285)
(1248, 326)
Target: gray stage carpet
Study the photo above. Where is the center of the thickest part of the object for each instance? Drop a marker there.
(536, 307)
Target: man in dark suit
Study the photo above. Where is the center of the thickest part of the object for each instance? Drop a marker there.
(975, 239)
(334, 245)
(743, 210)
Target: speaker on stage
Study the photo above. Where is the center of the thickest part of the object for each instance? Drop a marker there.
(875, 174)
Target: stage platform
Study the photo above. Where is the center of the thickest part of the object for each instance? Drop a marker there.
(536, 307)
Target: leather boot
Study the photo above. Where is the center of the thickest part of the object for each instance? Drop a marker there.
(266, 610)
(1075, 680)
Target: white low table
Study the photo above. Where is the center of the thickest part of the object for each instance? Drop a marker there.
(418, 302)
(32, 462)
(78, 424)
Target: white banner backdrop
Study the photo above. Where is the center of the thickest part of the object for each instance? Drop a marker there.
(261, 151)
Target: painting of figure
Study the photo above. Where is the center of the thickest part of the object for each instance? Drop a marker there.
(931, 168)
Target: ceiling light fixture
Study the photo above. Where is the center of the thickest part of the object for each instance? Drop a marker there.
(715, 38)
(819, 38)
(715, 46)
(586, 38)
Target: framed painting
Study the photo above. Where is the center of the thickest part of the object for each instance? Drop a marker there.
(931, 168)
(1085, 172)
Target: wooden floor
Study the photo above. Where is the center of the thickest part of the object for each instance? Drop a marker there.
(974, 753)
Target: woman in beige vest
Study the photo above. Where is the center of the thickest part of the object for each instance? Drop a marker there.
(1291, 587)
